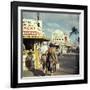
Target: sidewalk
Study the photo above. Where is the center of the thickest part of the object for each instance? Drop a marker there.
(28, 73)
(40, 73)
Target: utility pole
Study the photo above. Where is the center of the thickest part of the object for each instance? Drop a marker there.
(38, 24)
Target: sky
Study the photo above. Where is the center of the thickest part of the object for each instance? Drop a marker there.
(55, 21)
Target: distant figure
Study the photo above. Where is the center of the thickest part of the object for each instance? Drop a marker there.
(23, 47)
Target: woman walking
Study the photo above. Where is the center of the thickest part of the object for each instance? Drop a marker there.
(51, 59)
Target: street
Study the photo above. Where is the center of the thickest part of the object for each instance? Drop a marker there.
(69, 64)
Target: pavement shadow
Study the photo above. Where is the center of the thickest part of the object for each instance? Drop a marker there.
(37, 72)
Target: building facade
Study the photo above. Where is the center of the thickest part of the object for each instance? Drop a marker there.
(32, 37)
(62, 39)
(31, 29)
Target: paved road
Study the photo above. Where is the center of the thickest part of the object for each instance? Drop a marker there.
(69, 64)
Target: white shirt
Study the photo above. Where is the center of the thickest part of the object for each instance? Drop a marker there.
(44, 48)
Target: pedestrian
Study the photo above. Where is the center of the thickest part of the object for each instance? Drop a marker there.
(29, 62)
(43, 51)
(43, 62)
(51, 59)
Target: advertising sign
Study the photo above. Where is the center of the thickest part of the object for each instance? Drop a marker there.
(31, 28)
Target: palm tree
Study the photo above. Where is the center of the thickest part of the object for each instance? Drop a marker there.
(77, 40)
(74, 31)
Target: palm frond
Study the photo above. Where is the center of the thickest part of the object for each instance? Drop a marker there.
(74, 31)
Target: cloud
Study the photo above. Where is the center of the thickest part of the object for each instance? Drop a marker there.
(53, 24)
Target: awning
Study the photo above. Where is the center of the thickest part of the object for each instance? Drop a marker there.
(37, 39)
